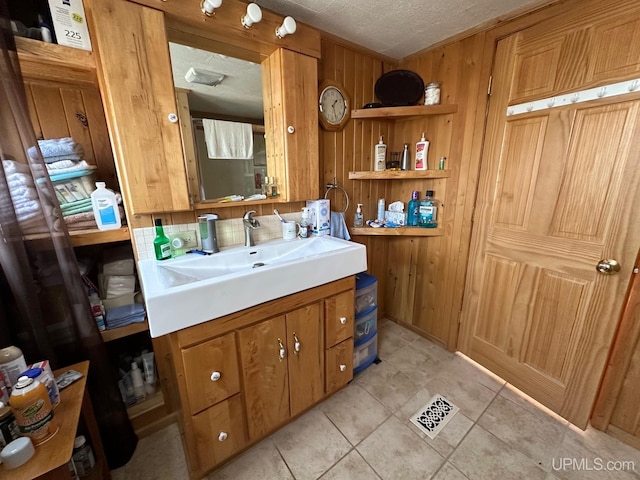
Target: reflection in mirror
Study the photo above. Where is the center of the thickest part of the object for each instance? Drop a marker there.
(229, 89)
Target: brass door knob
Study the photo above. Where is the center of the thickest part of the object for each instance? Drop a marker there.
(608, 266)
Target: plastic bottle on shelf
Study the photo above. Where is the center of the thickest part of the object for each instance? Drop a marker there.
(97, 308)
(380, 216)
(412, 209)
(405, 164)
(380, 156)
(428, 211)
(136, 380)
(105, 207)
(422, 148)
(358, 219)
(82, 457)
(161, 244)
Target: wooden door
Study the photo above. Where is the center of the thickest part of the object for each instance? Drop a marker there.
(265, 377)
(305, 357)
(558, 193)
(290, 88)
(140, 105)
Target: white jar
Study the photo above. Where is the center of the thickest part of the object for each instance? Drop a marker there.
(432, 94)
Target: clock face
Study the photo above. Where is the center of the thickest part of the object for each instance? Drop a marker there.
(333, 105)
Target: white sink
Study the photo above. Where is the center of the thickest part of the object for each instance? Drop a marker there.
(192, 289)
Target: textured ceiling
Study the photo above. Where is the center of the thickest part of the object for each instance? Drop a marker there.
(394, 29)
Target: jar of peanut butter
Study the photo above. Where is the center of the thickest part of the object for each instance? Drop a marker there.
(33, 411)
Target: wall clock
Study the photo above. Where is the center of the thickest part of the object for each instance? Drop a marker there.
(334, 105)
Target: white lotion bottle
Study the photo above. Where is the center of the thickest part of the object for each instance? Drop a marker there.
(105, 207)
(380, 210)
(136, 380)
(379, 156)
(422, 148)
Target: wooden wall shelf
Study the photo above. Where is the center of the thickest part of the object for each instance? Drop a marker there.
(80, 238)
(398, 232)
(115, 333)
(393, 113)
(399, 174)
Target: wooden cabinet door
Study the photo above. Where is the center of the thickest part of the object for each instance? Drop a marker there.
(211, 372)
(290, 87)
(139, 98)
(339, 365)
(559, 189)
(219, 432)
(339, 315)
(263, 354)
(305, 357)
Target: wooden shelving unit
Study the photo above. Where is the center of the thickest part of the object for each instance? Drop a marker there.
(115, 333)
(392, 113)
(80, 238)
(399, 174)
(398, 232)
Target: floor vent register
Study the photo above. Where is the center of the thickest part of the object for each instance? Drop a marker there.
(432, 418)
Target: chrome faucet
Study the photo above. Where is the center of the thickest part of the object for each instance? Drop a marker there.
(250, 224)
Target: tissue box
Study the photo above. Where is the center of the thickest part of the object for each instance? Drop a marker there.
(320, 212)
(396, 217)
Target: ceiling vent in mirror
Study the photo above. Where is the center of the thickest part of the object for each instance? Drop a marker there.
(203, 77)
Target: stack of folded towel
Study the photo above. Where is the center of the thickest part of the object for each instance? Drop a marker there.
(125, 315)
(26, 203)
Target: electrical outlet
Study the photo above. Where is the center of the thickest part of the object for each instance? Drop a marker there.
(188, 237)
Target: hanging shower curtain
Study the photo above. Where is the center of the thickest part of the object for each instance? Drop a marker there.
(43, 302)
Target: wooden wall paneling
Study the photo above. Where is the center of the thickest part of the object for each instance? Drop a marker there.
(99, 137)
(50, 111)
(33, 114)
(74, 111)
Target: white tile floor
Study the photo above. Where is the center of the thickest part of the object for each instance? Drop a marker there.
(363, 432)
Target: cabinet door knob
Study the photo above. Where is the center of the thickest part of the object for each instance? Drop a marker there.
(343, 367)
(282, 351)
(173, 118)
(291, 129)
(343, 320)
(222, 437)
(215, 376)
(296, 344)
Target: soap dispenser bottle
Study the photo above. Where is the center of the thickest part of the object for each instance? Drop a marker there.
(358, 219)
(305, 224)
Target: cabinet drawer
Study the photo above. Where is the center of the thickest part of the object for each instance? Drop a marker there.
(219, 432)
(211, 372)
(339, 365)
(338, 318)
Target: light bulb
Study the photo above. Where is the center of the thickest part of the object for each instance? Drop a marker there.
(287, 28)
(208, 7)
(254, 15)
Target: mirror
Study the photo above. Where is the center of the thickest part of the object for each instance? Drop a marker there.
(234, 94)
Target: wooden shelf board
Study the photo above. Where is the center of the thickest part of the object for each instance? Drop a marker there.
(398, 232)
(80, 238)
(153, 401)
(399, 174)
(120, 332)
(208, 204)
(400, 112)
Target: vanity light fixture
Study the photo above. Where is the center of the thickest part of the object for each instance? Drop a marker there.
(253, 15)
(208, 7)
(203, 77)
(287, 28)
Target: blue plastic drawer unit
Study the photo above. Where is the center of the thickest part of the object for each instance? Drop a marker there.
(366, 292)
(365, 354)
(366, 326)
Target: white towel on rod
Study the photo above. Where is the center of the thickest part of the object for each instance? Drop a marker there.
(228, 140)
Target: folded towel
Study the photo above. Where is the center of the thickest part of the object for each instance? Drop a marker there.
(339, 226)
(17, 180)
(11, 167)
(59, 146)
(69, 173)
(63, 164)
(78, 203)
(124, 315)
(67, 157)
(23, 193)
(228, 140)
(78, 209)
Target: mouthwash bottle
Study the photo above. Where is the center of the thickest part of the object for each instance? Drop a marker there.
(412, 210)
(161, 244)
(428, 211)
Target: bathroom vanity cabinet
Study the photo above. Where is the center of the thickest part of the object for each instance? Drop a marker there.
(243, 376)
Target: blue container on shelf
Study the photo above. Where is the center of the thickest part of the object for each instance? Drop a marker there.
(366, 293)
